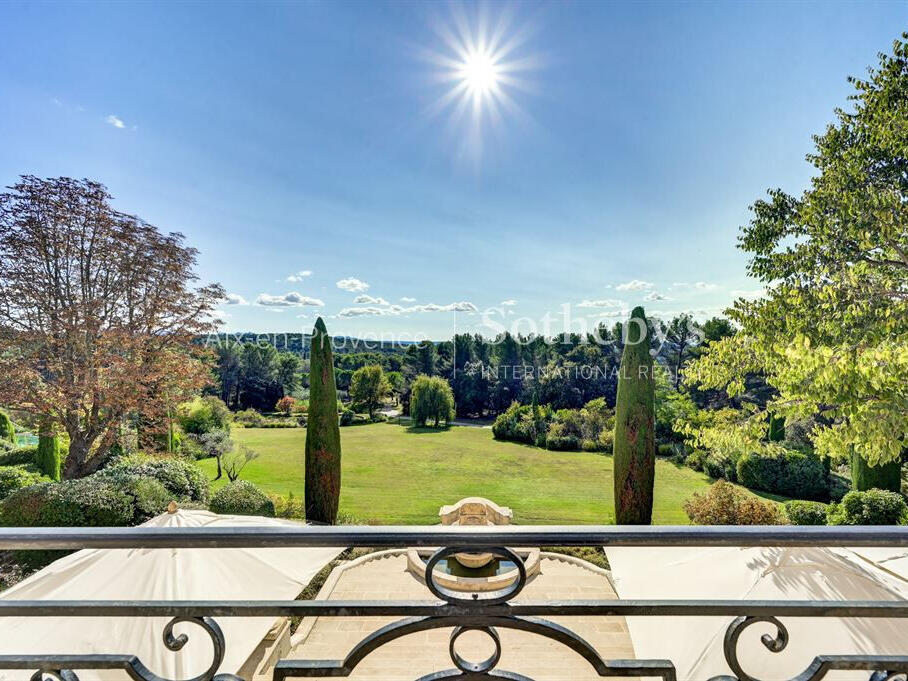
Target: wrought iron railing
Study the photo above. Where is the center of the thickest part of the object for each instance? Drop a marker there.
(485, 612)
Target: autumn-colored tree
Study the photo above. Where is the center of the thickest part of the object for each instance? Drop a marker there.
(98, 310)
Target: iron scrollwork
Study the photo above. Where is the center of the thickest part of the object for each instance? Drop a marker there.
(63, 667)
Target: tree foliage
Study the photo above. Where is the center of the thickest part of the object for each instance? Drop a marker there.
(831, 333)
(369, 387)
(98, 311)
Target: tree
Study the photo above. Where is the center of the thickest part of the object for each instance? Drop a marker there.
(831, 333)
(7, 430)
(217, 444)
(98, 311)
(202, 415)
(369, 387)
(323, 446)
(683, 334)
(635, 443)
(432, 399)
(235, 461)
(287, 371)
(285, 405)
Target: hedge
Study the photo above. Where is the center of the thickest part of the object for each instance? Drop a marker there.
(182, 480)
(806, 512)
(790, 473)
(14, 478)
(19, 456)
(871, 507)
(241, 497)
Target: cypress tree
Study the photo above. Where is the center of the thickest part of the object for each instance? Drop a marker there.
(48, 459)
(323, 448)
(7, 431)
(886, 476)
(635, 444)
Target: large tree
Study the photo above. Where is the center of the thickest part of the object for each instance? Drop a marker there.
(98, 310)
(831, 334)
(369, 387)
(635, 437)
(323, 445)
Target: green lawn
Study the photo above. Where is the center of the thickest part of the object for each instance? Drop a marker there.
(398, 475)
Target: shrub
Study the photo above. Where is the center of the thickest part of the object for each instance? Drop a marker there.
(806, 512)
(790, 473)
(725, 504)
(285, 405)
(14, 478)
(241, 497)
(203, 414)
(288, 507)
(696, 460)
(182, 480)
(589, 446)
(562, 443)
(871, 507)
(19, 456)
(150, 498)
(87, 502)
(249, 418)
(606, 439)
(347, 417)
(49, 458)
(716, 466)
(665, 449)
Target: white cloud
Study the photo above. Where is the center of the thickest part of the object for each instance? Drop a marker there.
(407, 299)
(394, 310)
(353, 285)
(291, 299)
(749, 295)
(235, 299)
(299, 276)
(115, 121)
(650, 297)
(634, 285)
(510, 302)
(606, 302)
(366, 299)
(698, 285)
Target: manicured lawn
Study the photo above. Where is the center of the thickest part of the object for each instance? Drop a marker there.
(397, 475)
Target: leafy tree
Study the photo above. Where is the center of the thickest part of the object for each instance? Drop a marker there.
(217, 444)
(323, 445)
(635, 441)
(287, 371)
(228, 368)
(98, 315)
(432, 399)
(369, 387)
(682, 334)
(831, 334)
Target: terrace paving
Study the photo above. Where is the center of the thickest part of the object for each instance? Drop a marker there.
(386, 577)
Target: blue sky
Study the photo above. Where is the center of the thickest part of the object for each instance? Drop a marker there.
(307, 140)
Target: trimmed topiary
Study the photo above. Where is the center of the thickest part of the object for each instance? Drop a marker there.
(886, 476)
(806, 512)
(870, 507)
(635, 445)
(803, 475)
(7, 431)
(323, 446)
(241, 497)
(48, 458)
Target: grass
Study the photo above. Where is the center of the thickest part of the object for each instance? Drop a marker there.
(398, 475)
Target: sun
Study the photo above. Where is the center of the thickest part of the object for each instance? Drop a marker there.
(480, 73)
(481, 63)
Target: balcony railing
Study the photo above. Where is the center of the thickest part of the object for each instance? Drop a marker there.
(486, 611)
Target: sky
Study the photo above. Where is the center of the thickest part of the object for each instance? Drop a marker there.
(412, 169)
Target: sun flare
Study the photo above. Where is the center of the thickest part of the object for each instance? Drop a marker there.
(479, 73)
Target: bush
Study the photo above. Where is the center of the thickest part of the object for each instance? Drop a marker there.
(19, 456)
(202, 415)
(871, 507)
(791, 473)
(347, 417)
(665, 449)
(241, 497)
(88, 502)
(7, 430)
(183, 480)
(14, 478)
(562, 443)
(249, 418)
(696, 460)
(285, 405)
(725, 504)
(806, 512)
(720, 467)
